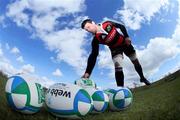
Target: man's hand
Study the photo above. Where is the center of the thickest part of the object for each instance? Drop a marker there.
(86, 75)
(127, 41)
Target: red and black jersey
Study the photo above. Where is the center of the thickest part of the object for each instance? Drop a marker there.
(109, 34)
(112, 34)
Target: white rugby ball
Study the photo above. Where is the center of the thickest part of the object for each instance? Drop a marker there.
(68, 100)
(24, 95)
(120, 98)
(100, 100)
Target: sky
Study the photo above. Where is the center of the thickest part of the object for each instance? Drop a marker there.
(44, 39)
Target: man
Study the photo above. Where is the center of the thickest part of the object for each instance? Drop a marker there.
(116, 37)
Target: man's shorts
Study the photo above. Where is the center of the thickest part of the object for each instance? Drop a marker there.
(127, 50)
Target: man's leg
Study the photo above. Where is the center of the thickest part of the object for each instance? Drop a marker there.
(117, 59)
(119, 75)
(131, 53)
(138, 68)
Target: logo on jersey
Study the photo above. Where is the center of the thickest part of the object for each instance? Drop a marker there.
(108, 28)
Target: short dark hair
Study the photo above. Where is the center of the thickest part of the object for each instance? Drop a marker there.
(84, 22)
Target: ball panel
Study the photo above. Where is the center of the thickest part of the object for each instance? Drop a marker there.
(98, 106)
(119, 95)
(84, 96)
(106, 98)
(98, 96)
(84, 108)
(8, 85)
(16, 82)
(20, 100)
(127, 93)
(105, 106)
(128, 102)
(21, 89)
(10, 101)
(119, 103)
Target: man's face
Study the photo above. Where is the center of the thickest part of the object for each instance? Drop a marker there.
(90, 27)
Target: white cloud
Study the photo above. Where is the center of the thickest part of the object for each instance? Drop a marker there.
(68, 45)
(44, 81)
(158, 51)
(7, 68)
(15, 50)
(68, 6)
(20, 59)
(134, 14)
(5, 64)
(131, 18)
(77, 21)
(47, 11)
(16, 12)
(28, 68)
(104, 60)
(57, 73)
(46, 23)
(10, 70)
(49, 22)
(176, 35)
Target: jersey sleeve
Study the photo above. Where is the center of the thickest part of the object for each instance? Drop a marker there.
(121, 27)
(93, 56)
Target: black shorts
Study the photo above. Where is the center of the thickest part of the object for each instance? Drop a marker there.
(127, 50)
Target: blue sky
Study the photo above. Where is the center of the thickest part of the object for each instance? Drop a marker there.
(44, 40)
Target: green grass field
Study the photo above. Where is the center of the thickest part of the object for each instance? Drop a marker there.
(160, 101)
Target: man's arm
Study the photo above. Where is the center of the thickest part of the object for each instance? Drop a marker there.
(124, 31)
(92, 57)
(121, 27)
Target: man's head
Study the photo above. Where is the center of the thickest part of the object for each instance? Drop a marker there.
(89, 26)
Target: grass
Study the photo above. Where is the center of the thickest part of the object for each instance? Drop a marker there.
(160, 101)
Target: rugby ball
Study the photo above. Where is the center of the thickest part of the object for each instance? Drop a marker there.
(68, 100)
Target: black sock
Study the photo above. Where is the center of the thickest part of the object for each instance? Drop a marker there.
(139, 70)
(119, 78)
